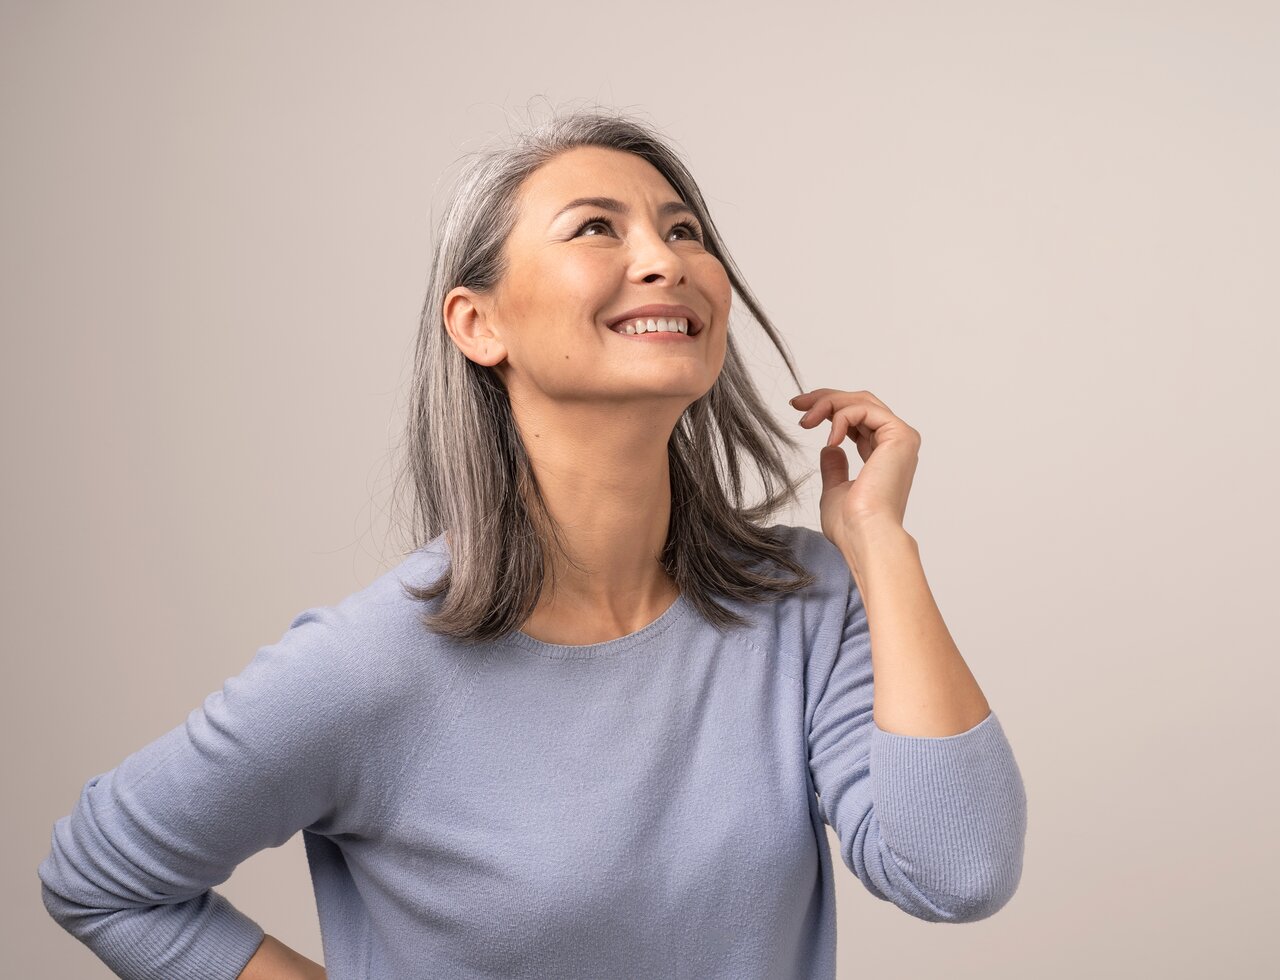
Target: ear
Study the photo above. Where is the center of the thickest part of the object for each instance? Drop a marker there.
(467, 319)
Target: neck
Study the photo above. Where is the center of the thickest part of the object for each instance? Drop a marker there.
(608, 488)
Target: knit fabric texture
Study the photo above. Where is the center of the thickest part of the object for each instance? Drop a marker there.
(649, 806)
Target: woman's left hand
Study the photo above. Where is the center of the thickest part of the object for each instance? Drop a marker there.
(889, 449)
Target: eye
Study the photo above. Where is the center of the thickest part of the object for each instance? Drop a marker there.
(688, 224)
(691, 226)
(598, 219)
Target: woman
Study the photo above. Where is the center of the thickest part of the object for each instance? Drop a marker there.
(582, 730)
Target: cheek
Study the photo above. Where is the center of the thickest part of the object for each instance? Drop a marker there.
(717, 286)
(581, 272)
(711, 272)
(573, 291)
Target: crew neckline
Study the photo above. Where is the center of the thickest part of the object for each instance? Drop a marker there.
(567, 651)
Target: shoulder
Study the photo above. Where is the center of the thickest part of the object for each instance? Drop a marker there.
(369, 647)
(823, 559)
(801, 626)
(382, 610)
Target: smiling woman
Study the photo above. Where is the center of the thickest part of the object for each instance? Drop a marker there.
(526, 405)
(580, 730)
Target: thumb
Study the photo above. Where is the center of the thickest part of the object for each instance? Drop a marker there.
(835, 467)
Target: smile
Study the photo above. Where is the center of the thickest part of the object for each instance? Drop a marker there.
(656, 328)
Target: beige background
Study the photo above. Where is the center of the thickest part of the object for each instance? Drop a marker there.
(1045, 234)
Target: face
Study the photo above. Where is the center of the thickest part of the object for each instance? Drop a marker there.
(544, 327)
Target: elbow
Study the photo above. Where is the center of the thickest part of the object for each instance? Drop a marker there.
(72, 916)
(62, 909)
(67, 895)
(974, 908)
(990, 891)
(991, 882)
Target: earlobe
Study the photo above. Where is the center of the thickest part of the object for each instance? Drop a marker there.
(467, 322)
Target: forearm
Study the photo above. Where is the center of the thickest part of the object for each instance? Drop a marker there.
(276, 961)
(922, 686)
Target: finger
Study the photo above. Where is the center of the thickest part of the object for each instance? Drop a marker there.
(878, 401)
(864, 443)
(805, 398)
(851, 421)
(845, 420)
(869, 396)
(834, 465)
(821, 409)
(850, 397)
(867, 416)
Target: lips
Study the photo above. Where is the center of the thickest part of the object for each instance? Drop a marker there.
(654, 310)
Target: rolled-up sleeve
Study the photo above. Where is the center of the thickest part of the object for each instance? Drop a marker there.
(937, 826)
(131, 870)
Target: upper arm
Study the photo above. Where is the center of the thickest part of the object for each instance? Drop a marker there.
(131, 869)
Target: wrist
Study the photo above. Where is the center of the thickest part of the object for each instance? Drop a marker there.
(866, 537)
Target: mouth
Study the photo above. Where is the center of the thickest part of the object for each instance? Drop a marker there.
(657, 319)
(656, 330)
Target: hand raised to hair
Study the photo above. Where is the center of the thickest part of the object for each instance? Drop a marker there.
(889, 449)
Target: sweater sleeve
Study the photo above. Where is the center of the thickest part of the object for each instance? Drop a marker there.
(934, 825)
(131, 869)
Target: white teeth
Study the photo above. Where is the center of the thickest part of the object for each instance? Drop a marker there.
(656, 325)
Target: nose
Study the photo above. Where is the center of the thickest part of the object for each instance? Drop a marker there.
(652, 259)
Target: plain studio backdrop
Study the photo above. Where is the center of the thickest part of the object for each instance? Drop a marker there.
(1045, 234)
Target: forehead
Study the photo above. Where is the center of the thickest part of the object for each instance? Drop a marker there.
(590, 171)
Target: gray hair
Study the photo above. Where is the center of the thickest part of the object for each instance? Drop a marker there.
(466, 464)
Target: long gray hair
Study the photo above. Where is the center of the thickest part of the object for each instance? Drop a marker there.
(468, 469)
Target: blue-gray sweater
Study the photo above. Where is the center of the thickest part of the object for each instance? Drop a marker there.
(649, 806)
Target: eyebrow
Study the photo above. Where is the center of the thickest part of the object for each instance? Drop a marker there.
(613, 204)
